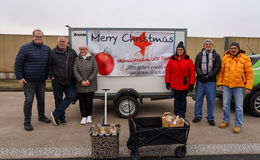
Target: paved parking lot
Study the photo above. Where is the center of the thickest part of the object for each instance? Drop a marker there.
(73, 140)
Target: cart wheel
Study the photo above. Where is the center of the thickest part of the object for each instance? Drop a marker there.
(180, 151)
(129, 145)
(135, 155)
(125, 103)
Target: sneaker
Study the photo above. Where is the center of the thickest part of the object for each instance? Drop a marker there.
(83, 121)
(63, 121)
(211, 122)
(54, 120)
(28, 127)
(196, 120)
(237, 129)
(89, 119)
(223, 125)
(44, 119)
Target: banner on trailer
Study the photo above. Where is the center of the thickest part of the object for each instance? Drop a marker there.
(129, 53)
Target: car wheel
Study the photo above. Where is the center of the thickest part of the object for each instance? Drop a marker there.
(126, 103)
(254, 104)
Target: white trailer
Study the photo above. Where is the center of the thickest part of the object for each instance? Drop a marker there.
(131, 62)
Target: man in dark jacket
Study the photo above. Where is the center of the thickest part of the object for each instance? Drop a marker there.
(31, 68)
(61, 64)
(207, 65)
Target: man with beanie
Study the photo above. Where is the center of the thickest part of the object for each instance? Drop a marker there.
(180, 77)
(235, 79)
(31, 68)
(207, 66)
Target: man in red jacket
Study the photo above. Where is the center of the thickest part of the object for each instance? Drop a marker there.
(180, 77)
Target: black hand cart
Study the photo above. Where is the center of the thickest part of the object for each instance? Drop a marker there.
(149, 131)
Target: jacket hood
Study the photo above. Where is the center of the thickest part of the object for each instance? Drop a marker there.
(58, 49)
(239, 52)
(91, 55)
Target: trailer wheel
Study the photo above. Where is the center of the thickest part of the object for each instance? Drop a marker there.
(180, 151)
(125, 103)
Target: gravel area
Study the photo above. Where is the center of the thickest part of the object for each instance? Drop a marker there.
(147, 151)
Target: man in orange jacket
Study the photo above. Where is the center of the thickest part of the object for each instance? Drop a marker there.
(235, 79)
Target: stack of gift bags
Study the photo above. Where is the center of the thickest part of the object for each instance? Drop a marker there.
(171, 120)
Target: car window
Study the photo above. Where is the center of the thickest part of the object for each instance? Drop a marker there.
(254, 59)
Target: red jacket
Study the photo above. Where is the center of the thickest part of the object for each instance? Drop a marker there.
(176, 70)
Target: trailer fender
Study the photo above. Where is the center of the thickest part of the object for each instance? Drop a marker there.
(127, 91)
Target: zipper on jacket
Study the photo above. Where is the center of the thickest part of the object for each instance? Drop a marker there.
(67, 65)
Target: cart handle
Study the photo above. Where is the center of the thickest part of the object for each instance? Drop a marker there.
(105, 109)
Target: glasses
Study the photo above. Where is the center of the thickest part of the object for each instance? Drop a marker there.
(234, 48)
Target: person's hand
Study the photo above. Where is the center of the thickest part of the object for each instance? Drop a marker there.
(22, 82)
(83, 83)
(191, 86)
(220, 88)
(247, 91)
(87, 82)
(168, 86)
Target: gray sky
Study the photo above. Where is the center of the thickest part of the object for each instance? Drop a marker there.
(202, 18)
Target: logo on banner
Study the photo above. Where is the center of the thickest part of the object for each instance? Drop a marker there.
(141, 42)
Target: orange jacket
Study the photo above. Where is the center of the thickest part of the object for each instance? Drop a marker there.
(236, 71)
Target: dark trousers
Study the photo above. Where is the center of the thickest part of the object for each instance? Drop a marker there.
(30, 89)
(61, 104)
(180, 102)
(86, 103)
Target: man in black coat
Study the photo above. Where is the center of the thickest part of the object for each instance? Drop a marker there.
(61, 64)
(31, 68)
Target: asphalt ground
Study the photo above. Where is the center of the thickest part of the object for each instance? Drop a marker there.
(73, 140)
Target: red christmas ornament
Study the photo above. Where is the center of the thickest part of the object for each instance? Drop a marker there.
(105, 62)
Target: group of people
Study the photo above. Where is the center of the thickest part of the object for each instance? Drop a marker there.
(71, 76)
(232, 75)
(76, 76)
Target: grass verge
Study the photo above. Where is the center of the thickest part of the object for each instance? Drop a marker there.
(13, 85)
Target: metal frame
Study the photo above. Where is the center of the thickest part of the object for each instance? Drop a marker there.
(70, 29)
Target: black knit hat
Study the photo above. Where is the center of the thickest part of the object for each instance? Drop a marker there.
(180, 45)
(234, 44)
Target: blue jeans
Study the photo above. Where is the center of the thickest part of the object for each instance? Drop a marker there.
(202, 89)
(238, 94)
(180, 102)
(61, 104)
(30, 89)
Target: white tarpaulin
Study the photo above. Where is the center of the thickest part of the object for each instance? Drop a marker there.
(129, 53)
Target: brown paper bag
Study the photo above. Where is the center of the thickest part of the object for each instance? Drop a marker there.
(177, 122)
(167, 118)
